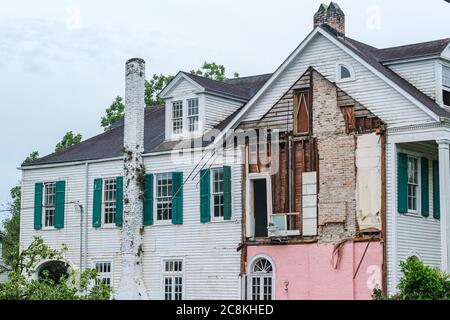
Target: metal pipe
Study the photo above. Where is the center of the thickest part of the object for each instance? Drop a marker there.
(86, 202)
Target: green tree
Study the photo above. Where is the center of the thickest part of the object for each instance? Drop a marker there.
(212, 71)
(68, 140)
(113, 113)
(154, 87)
(419, 282)
(11, 226)
(72, 286)
(33, 156)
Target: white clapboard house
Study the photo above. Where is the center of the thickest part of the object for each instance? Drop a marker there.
(192, 237)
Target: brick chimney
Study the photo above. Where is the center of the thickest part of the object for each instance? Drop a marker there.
(331, 16)
(131, 286)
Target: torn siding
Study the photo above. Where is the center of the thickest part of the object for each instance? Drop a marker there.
(368, 182)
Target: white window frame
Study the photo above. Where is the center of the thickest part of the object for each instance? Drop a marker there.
(109, 224)
(170, 135)
(338, 72)
(418, 185)
(45, 207)
(173, 274)
(155, 199)
(110, 273)
(251, 275)
(193, 116)
(211, 181)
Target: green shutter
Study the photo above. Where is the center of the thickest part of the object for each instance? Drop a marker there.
(148, 200)
(38, 205)
(119, 201)
(436, 194)
(205, 208)
(60, 204)
(402, 182)
(177, 198)
(425, 189)
(226, 193)
(97, 205)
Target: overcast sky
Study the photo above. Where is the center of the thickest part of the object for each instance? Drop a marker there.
(62, 62)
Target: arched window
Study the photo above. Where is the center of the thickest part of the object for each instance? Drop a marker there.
(344, 73)
(261, 280)
(52, 271)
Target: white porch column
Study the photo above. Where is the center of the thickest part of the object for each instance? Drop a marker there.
(444, 193)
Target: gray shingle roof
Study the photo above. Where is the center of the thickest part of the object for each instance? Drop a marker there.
(243, 88)
(417, 50)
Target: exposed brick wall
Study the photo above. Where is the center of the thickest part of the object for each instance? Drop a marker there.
(337, 174)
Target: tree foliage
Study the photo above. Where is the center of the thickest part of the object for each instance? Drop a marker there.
(113, 113)
(11, 225)
(419, 282)
(33, 156)
(74, 286)
(154, 86)
(212, 71)
(68, 140)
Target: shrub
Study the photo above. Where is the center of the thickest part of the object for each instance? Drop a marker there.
(419, 282)
(72, 286)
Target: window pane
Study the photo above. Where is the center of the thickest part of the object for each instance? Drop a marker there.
(345, 73)
(256, 288)
(103, 272)
(168, 288)
(193, 114)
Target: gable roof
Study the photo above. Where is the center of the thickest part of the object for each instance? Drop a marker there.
(109, 144)
(369, 57)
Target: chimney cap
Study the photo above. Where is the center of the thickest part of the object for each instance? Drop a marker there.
(334, 5)
(139, 60)
(323, 8)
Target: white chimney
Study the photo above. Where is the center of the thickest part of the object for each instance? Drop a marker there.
(131, 286)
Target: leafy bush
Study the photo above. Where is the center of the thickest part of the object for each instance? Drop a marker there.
(73, 286)
(419, 282)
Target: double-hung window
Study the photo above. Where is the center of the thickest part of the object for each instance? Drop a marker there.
(49, 204)
(173, 279)
(217, 192)
(446, 85)
(193, 114)
(164, 196)
(109, 203)
(177, 117)
(413, 184)
(104, 272)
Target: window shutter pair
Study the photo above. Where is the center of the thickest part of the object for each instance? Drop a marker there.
(60, 195)
(205, 194)
(177, 199)
(97, 202)
(402, 186)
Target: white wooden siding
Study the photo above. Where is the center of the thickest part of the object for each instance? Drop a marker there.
(368, 89)
(218, 109)
(212, 264)
(421, 74)
(409, 235)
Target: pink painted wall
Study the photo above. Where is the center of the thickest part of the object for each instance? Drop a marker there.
(310, 274)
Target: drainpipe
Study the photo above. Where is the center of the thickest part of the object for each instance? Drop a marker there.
(86, 202)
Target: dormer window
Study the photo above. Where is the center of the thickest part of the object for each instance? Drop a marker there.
(177, 117)
(193, 115)
(344, 73)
